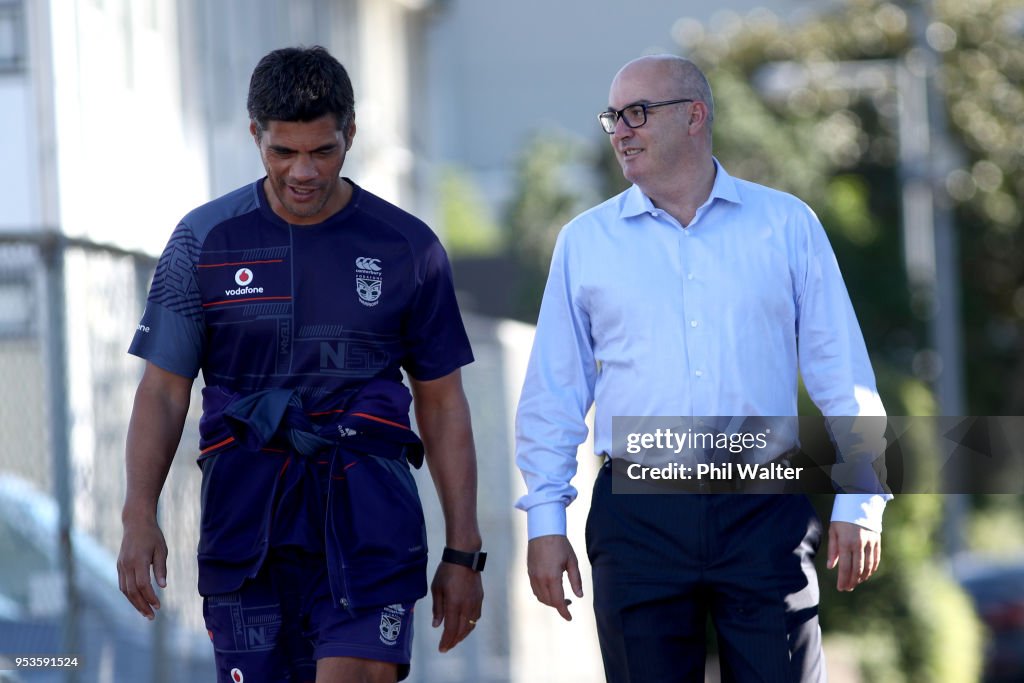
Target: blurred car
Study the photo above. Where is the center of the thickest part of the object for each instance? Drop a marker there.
(8, 672)
(996, 586)
(115, 643)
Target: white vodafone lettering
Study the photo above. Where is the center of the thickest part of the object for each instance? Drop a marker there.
(243, 290)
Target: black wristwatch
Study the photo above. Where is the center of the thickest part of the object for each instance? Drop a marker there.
(474, 561)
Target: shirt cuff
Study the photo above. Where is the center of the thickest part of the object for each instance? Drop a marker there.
(861, 509)
(545, 519)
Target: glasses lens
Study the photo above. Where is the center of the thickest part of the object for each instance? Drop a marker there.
(635, 116)
(607, 119)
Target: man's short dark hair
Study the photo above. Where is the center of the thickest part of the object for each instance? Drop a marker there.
(300, 84)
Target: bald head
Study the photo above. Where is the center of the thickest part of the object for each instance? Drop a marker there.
(666, 151)
(683, 76)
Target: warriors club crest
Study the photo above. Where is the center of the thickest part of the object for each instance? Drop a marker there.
(369, 278)
(391, 623)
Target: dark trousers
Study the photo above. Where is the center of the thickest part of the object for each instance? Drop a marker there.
(663, 563)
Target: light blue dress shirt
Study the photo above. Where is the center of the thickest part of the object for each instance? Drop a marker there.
(646, 317)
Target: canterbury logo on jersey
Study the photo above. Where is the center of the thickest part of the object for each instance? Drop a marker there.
(367, 263)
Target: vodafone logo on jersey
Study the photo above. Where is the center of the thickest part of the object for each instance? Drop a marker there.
(243, 278)
(236, 676)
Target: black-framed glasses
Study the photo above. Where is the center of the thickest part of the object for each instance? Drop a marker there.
(635, 115)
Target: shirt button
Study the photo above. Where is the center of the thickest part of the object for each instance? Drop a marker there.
(690, 276)
(699, 373)
(693, 323)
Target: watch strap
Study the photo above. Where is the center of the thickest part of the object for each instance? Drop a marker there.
(474, 561)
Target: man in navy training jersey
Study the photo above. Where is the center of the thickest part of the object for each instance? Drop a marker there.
(302, 297)
(694, 294)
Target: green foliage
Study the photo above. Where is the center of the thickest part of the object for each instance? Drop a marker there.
(996, 527)
(878, 656)
(466, 225)
(949, 643)
(929, 634)
(848, 196)
(757, 143)
(547, 198)
(984, 75)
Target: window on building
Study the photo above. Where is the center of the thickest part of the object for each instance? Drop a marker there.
(12, 36)
(19, 305)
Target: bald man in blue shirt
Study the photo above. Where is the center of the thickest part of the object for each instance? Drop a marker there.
(692, 293)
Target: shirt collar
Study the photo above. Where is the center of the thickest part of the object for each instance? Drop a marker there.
(635, 202)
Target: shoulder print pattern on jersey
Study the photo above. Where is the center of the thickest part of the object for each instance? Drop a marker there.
(174, 283)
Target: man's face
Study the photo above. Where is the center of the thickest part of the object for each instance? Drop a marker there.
(303, 162)
(658, 149)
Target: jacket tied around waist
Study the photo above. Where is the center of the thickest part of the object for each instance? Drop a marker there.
(336, 482)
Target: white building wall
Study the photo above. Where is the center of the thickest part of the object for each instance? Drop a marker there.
(380, 75)
(20, 203)
(126, 169)
(20, 188)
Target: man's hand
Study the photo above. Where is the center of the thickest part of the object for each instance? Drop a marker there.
(161, 403)
(458, 594)
(442, 413)
(856, 550)
(547, 558)
(142, 547)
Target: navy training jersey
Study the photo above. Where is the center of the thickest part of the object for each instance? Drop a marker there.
(256, 303)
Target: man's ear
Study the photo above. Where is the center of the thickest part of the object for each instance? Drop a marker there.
(350, 134)
(699, 114)
(254, 131)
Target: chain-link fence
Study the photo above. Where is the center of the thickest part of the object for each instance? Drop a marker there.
(67, 311)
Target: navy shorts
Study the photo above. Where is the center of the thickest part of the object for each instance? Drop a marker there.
(277, 625)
